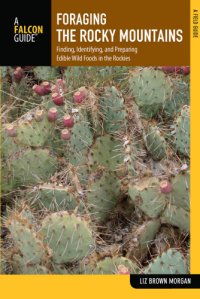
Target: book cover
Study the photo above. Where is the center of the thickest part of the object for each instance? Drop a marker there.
(99, 195)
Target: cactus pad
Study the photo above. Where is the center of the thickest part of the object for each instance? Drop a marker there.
(151, 89)
(54, 198)
(68, 236)
(21, 267)
(32, 167)
(180, 195)
(113, 110)
(140, 239)
(170, 262)
(105, 152)
(183, 132)
(33, 133)
(155, 143)
(180, 97)
(25, 240)
(46, 73)
(111, 266)
(102, 195)
(81, 136)
(147, 197)
(176, 216)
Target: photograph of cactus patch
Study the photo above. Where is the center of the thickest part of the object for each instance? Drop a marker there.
(95, 170)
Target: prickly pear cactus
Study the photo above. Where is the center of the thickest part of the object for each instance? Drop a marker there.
(181, 190)
(22, 267)
(114, 266)
(180, 97)
(54, 198)
(68, 236)
(113, 110)
(95, 170)
(138, 242)
(103, 192)
(34, 133)
(82, 136)
(32, 166)
(182, 134)
(77, 76)
(46, 73)
(151, 89)
(29, 250)
(155, 143)
(170, 262)
(8, 145)
(105, 152)
(147, 197)
(167, 199)
(176, 216)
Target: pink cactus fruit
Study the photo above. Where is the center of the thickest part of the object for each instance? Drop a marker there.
(18, 74)
(176, 69)
(122, 270)
(52, 114)
(59, 87)
(38, 89)
(58, 99)
(46, 86)
(185, 70)
(11, 130)
(54, 89)
(65, 134)
(168, 69)
(39, 115)
(80, 95)
(60, 83)
(68, 121)
(171, 69)
(43, 89)
(165, 187)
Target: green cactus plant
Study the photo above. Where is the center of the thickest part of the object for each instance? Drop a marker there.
(170, 262)
(103, 191)
(77, 76)
(20, 266)
(147, 197)
(105, 152)
(113, 110)
(176, 216)
(8, 145)
(30, 248)
(182, 134)
(32, 166)
(53, 198)
(81, 136)
(68, 236)
(155, 143)
(170, 200)
(179, 98)
(151, 89)
(46, 73)
(34, 133)
(103, 164)
(140, 239)
(112, 266)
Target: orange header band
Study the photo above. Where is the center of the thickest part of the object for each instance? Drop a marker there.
(128, 34)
